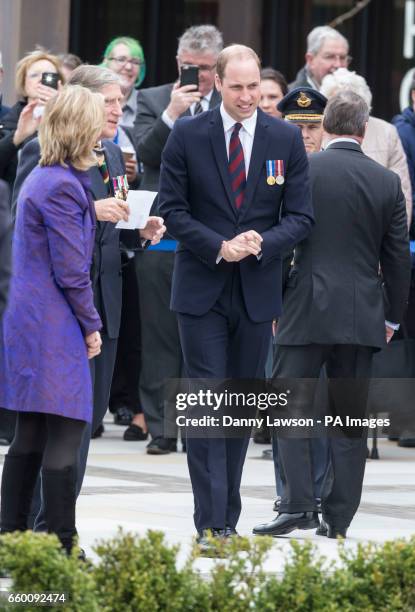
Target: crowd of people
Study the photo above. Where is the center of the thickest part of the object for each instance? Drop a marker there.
(263, 255)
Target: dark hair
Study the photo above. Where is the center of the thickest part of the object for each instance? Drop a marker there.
(274, 75)
(346, 113)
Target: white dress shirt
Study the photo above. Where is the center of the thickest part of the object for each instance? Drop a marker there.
(246, 134)
(246, 137)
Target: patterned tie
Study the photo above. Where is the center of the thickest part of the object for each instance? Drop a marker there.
(102, 166)
(236, 166)
(198, 108)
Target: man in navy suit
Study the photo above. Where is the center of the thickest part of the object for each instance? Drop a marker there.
(234, 192)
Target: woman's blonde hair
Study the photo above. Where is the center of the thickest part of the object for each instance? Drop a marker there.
(23, 66)
(70, 127)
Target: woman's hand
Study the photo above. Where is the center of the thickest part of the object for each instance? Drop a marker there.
(45, 93)
(93, 343)
(27, 124)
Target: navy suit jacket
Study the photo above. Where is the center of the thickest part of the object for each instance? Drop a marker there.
(197, 203)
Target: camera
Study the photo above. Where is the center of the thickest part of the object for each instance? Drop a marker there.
(50, 79)
(189, 75)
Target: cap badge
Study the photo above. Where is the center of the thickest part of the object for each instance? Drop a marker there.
(303, 101)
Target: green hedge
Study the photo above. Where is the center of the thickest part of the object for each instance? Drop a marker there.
(137, 574)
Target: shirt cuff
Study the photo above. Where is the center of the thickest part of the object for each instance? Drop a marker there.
(394, 326)
(167, 120)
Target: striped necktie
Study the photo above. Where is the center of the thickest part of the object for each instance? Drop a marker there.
(236, 166)
(198, 108)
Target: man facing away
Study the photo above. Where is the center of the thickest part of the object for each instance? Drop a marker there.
(304, 107)
(335, 314)
(234, 193)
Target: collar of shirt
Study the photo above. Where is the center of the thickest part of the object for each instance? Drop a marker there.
(98, 148)
(310, 79)
(129, 110)
(246, 134)
(248, 125)
(342, 139)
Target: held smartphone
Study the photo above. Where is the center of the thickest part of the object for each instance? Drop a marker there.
(50, 79)
(189, 75)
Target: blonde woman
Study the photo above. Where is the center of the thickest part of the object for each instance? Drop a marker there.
(51, 327)
(22, 120)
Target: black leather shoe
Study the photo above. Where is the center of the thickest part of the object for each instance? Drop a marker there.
(206, 547)
(123, 416)
(331, 531)
(98, 432)
(230, 532)
(162, 446)
(134, 433)
(286, 523)
(407, 439)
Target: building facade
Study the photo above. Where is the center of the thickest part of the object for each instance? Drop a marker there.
(381, 35)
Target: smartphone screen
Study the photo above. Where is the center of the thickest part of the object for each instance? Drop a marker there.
(50, 79)
(189, 75)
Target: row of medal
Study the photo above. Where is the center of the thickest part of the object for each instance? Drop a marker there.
(120, 187)
(275, 171)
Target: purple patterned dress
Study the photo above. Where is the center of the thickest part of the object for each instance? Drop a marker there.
(44, 365)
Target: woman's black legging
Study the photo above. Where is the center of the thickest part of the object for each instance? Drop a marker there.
(55, 437)
(51, 443)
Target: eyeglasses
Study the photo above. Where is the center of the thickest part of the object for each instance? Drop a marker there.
(121, 61)
(35, 75)
(332, 57)
(202, 67)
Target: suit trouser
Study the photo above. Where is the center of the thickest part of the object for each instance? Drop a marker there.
(126, 378)
(102, 368)
(160, 344)
(222, 343)
(319, 447)
(348, 371)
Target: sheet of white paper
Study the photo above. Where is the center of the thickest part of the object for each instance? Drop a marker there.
(140, 203)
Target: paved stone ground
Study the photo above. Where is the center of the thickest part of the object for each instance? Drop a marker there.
(126, 487)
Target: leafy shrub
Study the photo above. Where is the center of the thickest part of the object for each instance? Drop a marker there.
(36, 563)
(140, 574)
